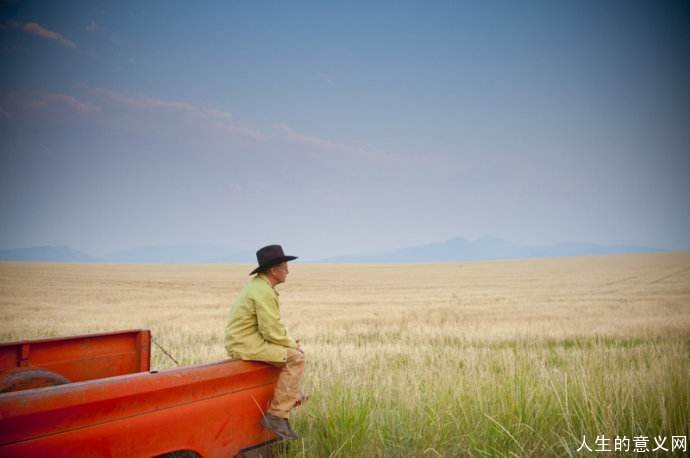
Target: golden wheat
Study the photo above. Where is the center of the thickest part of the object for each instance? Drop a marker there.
(497, 358)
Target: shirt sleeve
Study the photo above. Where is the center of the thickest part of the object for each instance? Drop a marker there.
(268, 320)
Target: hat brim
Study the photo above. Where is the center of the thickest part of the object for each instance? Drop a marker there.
(273, 263)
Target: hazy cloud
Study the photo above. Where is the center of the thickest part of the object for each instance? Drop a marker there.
(216, 119)
(92, 27)
(42, 103)
(70, 101)
(38, 30)
(322, 144)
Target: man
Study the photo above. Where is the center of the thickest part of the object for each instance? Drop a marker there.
(255, 333)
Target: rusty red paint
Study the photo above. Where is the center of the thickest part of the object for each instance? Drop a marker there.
(212, 409)
(82, 358)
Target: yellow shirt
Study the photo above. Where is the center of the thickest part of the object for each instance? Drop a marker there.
(255, 331)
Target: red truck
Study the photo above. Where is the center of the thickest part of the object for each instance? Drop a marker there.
(95, 395)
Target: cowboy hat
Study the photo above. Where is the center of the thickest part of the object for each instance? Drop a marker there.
(269, 256)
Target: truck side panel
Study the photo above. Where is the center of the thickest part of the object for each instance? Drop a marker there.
(215, 427)
(213, 409)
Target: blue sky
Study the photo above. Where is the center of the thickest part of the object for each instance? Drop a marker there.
(343, 127)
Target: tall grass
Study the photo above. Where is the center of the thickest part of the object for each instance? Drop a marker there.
(527, 397)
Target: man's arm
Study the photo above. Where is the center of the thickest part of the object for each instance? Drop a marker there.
(270, 326)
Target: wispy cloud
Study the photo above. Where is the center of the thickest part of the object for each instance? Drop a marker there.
(217, 119)
(107, 100)
(42, 104)
(38, 30)
(322, 144)
(225, 121)
(309, 140)
(81, 106)
(92, 27)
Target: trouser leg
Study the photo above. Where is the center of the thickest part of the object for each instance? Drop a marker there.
(287, 389)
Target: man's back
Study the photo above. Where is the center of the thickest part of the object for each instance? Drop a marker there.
(254, 331)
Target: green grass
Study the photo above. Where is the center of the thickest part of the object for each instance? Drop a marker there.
(528, 397)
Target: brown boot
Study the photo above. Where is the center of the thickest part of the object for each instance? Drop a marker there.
(278, 425)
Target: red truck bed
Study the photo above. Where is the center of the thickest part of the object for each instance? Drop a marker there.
(80, 358)
(208, 409)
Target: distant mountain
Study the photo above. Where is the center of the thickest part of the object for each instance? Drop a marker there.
(177, 254)
(46, 254)
(181, 254)
(455, 249)
(485, 249)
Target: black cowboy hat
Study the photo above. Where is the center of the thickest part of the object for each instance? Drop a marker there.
(269, 256)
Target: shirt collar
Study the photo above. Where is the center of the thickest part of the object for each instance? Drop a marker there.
(265, 278)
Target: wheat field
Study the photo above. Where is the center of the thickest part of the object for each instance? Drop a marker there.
(501, 358)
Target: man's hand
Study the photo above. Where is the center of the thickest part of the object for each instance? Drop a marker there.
(299, 347)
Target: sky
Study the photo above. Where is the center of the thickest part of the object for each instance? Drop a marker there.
(343, 127)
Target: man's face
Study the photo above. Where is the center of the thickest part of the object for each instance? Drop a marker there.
(280, 272)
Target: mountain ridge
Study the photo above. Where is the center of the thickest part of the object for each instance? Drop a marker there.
(486, 249)
(454, 249)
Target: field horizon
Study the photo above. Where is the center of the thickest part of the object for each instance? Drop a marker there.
(481, 358)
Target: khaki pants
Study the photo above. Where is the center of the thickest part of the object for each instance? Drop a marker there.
(287, 389)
